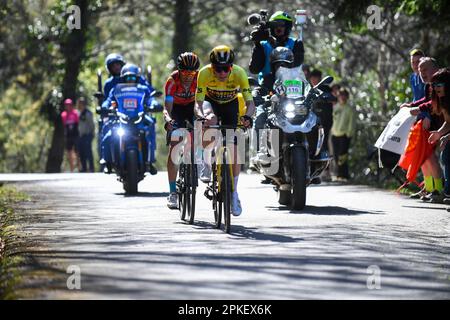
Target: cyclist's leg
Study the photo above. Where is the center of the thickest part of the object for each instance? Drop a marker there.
(229, 115)
(179, 114)
(208, 145)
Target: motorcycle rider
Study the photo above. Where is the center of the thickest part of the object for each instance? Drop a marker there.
(130, 73)
(114, 63)
(264, 42)
(178, 107)
(284, 57)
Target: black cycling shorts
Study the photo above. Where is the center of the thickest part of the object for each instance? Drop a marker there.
(180, 113)
(227, 113)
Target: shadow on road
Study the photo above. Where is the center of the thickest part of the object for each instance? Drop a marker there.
(248, 233)
(328, 210)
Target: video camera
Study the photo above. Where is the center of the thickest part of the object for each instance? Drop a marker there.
(261, 30)
(259, 19)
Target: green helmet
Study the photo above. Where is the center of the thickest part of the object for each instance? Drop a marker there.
(281, 16)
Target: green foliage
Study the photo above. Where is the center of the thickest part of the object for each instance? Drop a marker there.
(9, 244)
(372, 64)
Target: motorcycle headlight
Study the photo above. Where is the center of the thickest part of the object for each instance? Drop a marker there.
(290, 115)
(289, 107)
(120, 132)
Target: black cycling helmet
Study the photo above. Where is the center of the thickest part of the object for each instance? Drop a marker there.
(188, 61)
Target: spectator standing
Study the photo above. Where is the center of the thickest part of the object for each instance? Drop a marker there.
(87, 130)
(416, 82)
(70, 119)
(342, 131)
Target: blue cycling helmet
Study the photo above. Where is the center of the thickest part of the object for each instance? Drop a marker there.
(130, 70)
(111, 58)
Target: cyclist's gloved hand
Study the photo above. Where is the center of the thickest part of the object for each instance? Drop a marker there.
(168, 126)
(247, 121)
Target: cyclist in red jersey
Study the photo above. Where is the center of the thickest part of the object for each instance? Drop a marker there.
(179, 103)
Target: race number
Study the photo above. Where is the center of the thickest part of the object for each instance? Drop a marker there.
(130, 103)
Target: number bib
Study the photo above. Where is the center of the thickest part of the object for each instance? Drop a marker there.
(130, 103)
(294, 88)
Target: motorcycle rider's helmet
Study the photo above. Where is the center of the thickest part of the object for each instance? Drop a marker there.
(222, 55)
(281, 57)
(130, 73)
(188, 61)
(112, 58)
(280, 17)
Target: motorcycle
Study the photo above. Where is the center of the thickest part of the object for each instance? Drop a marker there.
(291, 163)
(129, 150)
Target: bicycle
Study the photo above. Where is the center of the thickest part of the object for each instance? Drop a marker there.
(221, 188)
(187, 181)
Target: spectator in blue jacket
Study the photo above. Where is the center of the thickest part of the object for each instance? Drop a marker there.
(416, 82)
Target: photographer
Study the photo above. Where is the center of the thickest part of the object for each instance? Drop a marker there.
(266, 37)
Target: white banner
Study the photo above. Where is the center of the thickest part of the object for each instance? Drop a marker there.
(395, 135)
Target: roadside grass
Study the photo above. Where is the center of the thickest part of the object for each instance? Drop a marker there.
(10, 241)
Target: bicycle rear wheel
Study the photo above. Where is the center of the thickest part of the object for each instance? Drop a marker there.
(226, 193)
(182, 192)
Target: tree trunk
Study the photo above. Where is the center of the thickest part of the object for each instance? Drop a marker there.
(183, 28)
(73, 50)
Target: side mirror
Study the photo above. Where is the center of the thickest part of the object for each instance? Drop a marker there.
(325, 81)
(253, 82)
(156, 94)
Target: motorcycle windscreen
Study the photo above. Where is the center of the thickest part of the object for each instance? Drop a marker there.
(130, 99)
(292, 82)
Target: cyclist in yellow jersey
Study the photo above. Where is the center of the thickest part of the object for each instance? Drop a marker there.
(218, 85)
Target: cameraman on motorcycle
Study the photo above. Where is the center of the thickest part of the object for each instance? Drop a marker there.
(130, 73)
(266, 40)
(114, 63)
(267, 37)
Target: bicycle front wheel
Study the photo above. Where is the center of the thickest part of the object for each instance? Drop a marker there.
(217, 201)
(190, 192)
(226, 196)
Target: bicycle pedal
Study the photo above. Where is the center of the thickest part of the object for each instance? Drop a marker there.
(208, 195)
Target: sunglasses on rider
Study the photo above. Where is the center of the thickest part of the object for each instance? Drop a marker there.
(188, 73)
(220, 69)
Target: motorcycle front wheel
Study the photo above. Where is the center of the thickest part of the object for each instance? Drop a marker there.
(298, 178)
(131, 178)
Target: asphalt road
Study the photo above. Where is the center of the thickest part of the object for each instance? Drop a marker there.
(350, 242)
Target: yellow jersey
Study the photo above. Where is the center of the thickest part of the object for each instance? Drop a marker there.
(222, 91)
